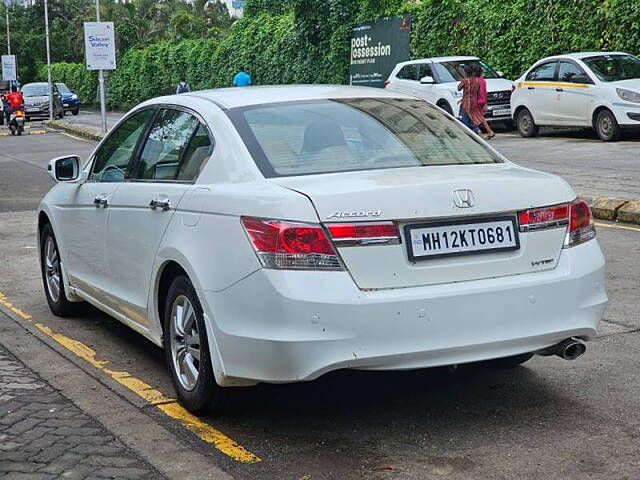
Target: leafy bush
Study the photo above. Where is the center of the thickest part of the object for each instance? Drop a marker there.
(76, 77)
(307, 41)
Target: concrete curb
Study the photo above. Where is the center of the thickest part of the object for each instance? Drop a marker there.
(614, 209)
(603, 208)
(84, 132)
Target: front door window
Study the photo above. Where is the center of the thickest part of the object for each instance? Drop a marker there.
(113, 159)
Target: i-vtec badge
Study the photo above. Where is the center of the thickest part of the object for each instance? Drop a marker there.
(372, 213)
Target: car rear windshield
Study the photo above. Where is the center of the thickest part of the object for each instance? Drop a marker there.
(323, 136)
(35, 90)
(453, 71)
(611, 68)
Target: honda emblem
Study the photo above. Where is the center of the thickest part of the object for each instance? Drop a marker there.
(463, 198)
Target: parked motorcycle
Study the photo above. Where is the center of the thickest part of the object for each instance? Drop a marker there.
(16, 121)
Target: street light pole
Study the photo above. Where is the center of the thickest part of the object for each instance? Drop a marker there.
(6, 9)
(103, 107)
(46, 30)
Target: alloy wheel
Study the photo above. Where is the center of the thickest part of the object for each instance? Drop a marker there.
(185, 342)
(606, 125)
(52, 269)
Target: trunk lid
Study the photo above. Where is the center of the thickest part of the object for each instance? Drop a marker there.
(420, 195)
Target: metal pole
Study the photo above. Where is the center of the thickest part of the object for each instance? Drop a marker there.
(46, 29)
(6, 8)
(103, 107)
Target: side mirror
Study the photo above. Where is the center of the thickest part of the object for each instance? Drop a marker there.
(427, 80)
(64, 169)
(500, 74)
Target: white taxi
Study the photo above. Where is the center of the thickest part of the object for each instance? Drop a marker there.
(600, 90)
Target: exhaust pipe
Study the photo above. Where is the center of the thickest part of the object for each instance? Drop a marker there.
(569, 349)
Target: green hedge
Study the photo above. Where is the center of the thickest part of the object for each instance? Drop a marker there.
(76, 77)
(306, 41)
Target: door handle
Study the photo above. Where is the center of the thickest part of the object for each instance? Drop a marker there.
(160, 201)
(559, 90)
(101, 200)
(531, 88)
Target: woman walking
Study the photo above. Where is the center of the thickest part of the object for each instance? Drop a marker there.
(472, 115)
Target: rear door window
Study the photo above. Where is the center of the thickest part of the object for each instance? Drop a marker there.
(408, 72)
(546, 71)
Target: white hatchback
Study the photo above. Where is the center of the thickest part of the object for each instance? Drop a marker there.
(274, 234)
(436, 80)
(599, 90)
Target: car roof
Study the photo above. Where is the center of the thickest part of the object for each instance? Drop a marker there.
(250, 96)
(36, 83)
(581, 55)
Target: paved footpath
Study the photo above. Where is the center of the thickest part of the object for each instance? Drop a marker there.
(43, 435)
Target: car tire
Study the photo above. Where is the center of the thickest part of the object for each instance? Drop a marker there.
(187, 352)
(51, 269)
(607, 126)
(75, 112)
(446, 107)
(509, 362)
(525, 124)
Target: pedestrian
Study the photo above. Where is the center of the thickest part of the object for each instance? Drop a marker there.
(242, 79)
(482, 100)
(183, 86)
(472, 115)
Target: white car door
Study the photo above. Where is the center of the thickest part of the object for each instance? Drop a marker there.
(426, 91)
(540, 92)
(169, 161)
(83, 225)
(573, 95)
(406, 80)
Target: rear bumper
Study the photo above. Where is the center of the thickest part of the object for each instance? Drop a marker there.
(283, 326)
(71, 104)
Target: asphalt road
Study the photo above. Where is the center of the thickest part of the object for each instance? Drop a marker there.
(549, 419)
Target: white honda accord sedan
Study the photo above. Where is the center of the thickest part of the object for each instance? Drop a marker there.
(274, 234)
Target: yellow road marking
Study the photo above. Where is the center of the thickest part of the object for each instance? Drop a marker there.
(167, 405)
(5, 303)
(154, 397)
(621, 227)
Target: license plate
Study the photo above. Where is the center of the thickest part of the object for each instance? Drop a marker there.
(441, 239)
(32, 109)
(501, 111)
(65, 104)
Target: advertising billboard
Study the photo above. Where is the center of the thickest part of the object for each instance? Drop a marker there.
(9, 70)
(100, 45)
(376, 47)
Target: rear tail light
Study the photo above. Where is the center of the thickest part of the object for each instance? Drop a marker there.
(581, 226)
(543, 218)
(386, 82)
(364, 233)
(291, 245)
(575, 217)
